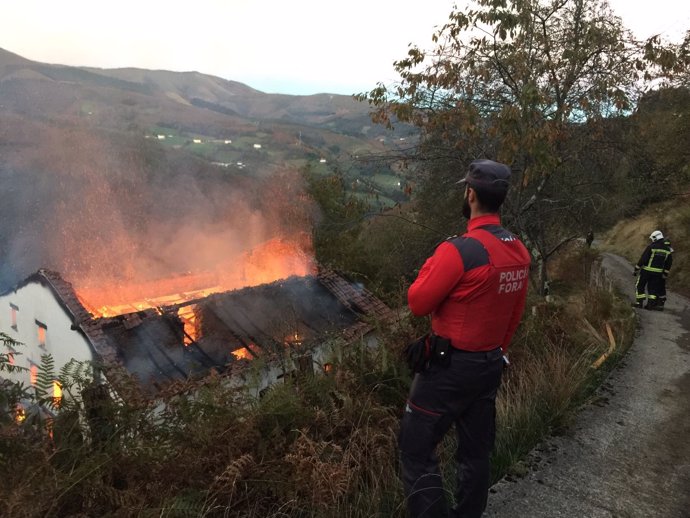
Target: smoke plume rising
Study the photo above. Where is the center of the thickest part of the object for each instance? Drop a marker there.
(109, 210)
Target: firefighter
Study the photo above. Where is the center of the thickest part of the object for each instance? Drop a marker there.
(474, 286)
(652, 270)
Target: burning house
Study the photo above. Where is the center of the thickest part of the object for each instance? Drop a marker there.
(172, 273)
(191, 326)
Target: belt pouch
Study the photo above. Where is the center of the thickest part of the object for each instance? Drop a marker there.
(417, 353)
(441, 350)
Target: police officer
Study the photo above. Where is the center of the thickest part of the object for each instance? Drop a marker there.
(474, 287)
(652, 270)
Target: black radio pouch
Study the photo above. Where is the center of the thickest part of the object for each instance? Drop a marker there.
(417, 354)
(440, 351)
(426, 350)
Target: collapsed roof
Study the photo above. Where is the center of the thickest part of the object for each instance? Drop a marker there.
(229, 328)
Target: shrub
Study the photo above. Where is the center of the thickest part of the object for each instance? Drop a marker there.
(314, 446)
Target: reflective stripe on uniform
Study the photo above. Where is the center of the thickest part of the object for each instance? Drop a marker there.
(639, 296)
(656, 251)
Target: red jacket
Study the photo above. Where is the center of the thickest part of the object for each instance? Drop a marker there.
(474, 286)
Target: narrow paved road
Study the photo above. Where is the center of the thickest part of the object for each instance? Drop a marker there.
(629, 455)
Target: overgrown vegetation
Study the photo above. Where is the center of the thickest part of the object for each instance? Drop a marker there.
(555, 355)
(548, 87)
(317, 446)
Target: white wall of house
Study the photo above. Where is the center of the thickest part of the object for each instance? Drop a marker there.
(36, 304)
(258, 375)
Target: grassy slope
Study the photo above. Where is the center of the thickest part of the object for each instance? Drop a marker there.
(629, 237)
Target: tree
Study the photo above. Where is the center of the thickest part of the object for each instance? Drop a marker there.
(339, 221)
(671, 61)
(528, 83)
(662, 123)
(11, 392)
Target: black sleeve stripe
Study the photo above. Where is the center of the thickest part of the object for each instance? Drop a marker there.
(472, 252)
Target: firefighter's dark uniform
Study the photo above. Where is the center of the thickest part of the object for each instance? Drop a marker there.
(653, 268)
(474, 287)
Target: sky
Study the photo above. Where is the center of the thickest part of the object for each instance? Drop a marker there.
(277, 46)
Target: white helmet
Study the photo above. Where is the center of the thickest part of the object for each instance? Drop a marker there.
(656, 235)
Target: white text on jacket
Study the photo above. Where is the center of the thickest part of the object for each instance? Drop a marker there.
(512, 280)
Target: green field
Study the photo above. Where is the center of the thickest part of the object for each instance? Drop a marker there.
(388, 181)
(373, 183)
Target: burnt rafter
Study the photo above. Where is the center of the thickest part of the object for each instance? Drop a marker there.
(355, 296)
(160, 344)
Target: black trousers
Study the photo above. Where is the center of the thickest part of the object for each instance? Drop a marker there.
(463, 394)
(652, 287)
(662, 291)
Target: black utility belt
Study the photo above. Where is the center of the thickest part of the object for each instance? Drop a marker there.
(483, 351)
(432, 349)
(444, 346)
(489, 355)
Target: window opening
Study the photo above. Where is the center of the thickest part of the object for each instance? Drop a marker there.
(42, 331)
(13, 316)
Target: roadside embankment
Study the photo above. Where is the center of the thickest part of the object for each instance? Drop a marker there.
(627, 453)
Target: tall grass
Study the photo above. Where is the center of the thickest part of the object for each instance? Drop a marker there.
(315, 446)
(554, 353)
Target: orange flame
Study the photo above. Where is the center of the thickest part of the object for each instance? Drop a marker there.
(19, 414)
(57, 393)
(188, 317)
(271, 261)
(243, 354)
(293, 339)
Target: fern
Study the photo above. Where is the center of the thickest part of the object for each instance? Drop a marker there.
(11, 392)
(188, 504)
(233, 472)
(6, 363)
(75, 371)
(45, 380)
(72, 380)
(8, 341)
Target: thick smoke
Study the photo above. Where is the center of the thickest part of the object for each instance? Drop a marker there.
(108, 210)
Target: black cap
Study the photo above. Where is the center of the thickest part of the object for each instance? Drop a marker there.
(488, 175)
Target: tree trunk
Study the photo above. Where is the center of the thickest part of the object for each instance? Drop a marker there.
(542, 279)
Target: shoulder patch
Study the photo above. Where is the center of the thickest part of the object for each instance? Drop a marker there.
(472, 252)
(500, 233)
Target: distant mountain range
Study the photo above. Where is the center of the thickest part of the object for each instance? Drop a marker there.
(221, 121)
(115, 98)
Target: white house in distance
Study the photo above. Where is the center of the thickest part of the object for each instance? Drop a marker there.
(163, 344)
(34, 314)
